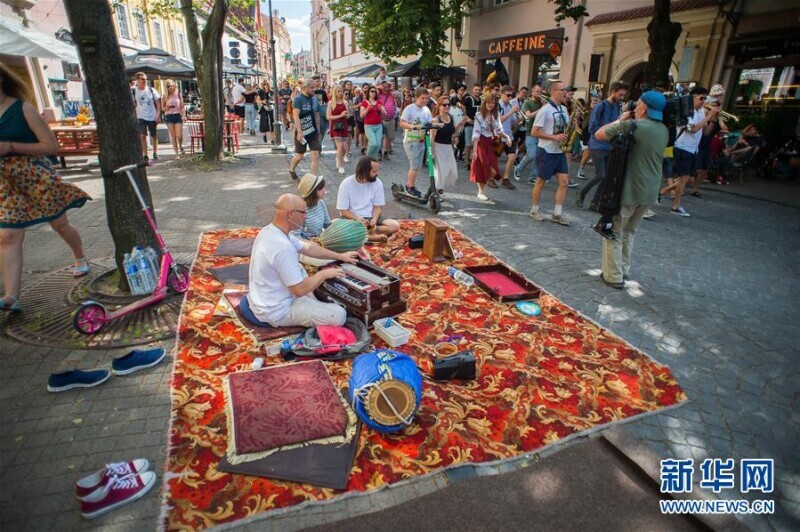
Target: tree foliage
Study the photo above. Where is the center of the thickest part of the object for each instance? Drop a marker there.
(389, 29)
(569, 9)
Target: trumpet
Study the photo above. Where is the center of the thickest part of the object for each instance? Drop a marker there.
(723, 114)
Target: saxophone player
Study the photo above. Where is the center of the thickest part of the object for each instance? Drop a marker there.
(549, 127)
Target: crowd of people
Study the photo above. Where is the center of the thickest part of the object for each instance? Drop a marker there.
(499, 132)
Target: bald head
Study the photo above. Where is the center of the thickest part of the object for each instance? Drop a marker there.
(289, 212)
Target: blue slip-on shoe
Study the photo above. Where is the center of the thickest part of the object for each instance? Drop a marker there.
(136, 360)
(60, 382)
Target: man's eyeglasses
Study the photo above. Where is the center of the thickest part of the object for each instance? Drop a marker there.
(299, 210)
(702, 97)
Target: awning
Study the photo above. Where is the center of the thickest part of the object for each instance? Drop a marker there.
(239, 70)
(158, 62)
(16, 39)
(364, 72)
(412, 69)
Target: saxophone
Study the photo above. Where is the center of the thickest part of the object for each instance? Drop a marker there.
(574, 130)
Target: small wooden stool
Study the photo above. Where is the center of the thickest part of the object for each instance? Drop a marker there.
(437, 246)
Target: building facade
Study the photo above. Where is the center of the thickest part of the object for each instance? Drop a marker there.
(319, 27)
(302, 66)
(611, 44)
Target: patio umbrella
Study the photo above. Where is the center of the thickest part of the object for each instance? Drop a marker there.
(157, 62)
(16, 39)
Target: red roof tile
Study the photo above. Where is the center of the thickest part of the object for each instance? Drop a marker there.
(647, 11)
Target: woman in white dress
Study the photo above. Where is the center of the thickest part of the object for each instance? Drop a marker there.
(442, 139)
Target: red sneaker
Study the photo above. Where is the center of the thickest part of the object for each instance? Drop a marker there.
(86, 485)
(118, 492)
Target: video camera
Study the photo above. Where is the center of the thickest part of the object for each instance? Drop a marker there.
(676, 114)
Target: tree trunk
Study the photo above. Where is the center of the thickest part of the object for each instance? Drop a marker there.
(107, 82)
(662, 34)
(206, 49)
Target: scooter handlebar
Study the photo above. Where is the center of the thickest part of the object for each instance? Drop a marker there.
(124, 169)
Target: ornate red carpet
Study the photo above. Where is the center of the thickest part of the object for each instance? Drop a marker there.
(539, 380)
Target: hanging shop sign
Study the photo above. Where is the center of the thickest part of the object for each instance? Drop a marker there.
(536, 43)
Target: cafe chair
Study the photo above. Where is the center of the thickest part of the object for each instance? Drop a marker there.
(196, 133)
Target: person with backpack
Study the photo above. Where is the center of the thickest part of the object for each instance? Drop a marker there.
(148, 112)
(605, 112)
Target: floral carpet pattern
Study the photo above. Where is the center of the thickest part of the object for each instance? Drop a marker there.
(540, 379)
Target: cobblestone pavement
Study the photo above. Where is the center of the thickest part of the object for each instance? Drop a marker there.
(713, 296)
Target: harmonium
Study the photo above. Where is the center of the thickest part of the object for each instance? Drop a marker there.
(367, 291)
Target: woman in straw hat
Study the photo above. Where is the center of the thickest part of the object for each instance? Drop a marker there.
(312, 190)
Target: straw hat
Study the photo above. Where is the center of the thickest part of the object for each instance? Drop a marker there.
(308, 184)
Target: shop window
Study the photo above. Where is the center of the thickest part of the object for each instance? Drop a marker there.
(767, 86)
(122, 22)
(157, 33)
(141, 28)
(500, 2)
(72, 71)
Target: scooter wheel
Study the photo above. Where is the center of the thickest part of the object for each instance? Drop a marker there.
(435, 203)
(90, 317)
(396, 192)
(178, 278)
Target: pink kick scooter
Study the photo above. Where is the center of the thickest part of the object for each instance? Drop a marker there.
(92, 316)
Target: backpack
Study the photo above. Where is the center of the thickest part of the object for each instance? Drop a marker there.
(309, 345)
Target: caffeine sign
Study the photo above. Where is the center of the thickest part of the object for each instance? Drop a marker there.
(537, 43)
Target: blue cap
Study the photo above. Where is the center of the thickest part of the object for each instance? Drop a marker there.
(655, 103)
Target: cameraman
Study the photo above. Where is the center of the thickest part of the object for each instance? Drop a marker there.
(642, 179)
(685, 152)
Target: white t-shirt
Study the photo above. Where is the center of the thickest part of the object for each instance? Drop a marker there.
(238, 93)
(146, 103)
(360, 198)
(688, 141)
(553, 121)
(274, 266)
(415, 115)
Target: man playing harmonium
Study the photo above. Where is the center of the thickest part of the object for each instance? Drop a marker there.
(361, 198)
(281, 292)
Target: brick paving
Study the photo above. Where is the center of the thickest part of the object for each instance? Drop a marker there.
(712, 296)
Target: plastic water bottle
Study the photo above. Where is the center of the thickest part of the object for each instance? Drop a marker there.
(155, 265)
(463, 278)
(144, 271)
(132, 274)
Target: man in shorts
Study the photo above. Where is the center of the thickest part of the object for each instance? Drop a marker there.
(305, 113)
(238, 102)
(549, 127)
(413, 118)
(685, 149)
(148, 112)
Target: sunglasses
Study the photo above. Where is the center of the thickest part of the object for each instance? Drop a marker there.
(445, 105)
(702, 97)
